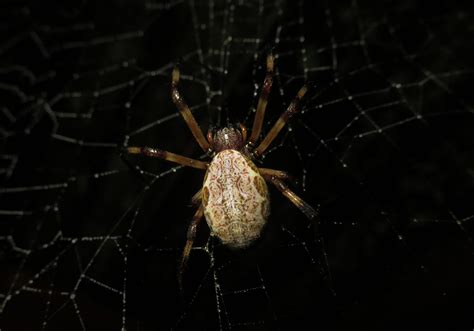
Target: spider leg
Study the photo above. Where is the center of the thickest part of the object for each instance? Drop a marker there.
(296, 200)
(292, 109)
(189, 243)
(262, 102)
(196, 199)
(243, 130)
(186, 113)
(209, 136)
(154, 152)
(268, 173)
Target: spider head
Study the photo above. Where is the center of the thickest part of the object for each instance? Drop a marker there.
(227, 138)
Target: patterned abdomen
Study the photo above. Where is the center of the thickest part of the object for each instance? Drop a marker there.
(235, 199)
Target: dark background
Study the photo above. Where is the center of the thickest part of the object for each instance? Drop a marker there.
(90, 239)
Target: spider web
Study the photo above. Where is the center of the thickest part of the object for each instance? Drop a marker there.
(383, 149)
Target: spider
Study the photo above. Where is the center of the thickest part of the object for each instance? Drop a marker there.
(234, 197)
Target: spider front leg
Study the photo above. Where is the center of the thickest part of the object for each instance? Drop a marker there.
(292, 109)
(186, 113)
(296, 200)
(262, 102)
(172, 157)
(191, 235)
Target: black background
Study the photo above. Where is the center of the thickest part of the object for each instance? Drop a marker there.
(98, 251)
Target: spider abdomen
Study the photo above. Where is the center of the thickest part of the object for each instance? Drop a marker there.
(235, 199)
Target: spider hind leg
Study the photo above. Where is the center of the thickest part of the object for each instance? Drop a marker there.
(295, 199)
(191, 235)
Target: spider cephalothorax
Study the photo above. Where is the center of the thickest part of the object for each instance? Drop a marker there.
(227, 138)
(234, 197)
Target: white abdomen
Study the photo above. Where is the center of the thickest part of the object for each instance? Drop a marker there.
(235, 198)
